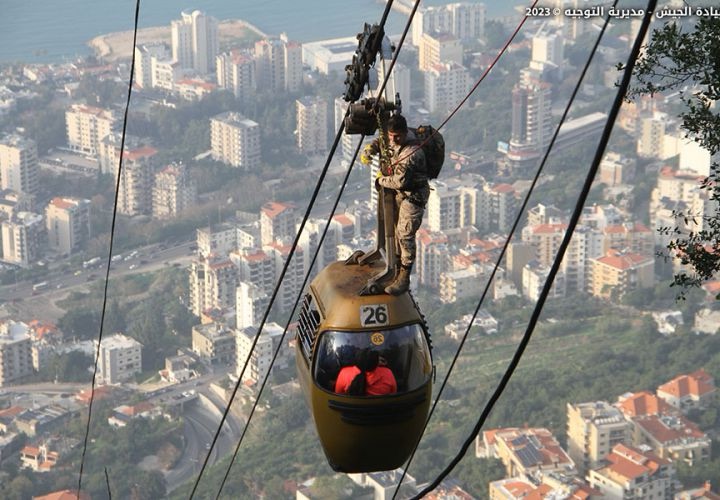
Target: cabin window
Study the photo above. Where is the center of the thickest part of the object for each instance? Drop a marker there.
(394, 361)
(307, 325)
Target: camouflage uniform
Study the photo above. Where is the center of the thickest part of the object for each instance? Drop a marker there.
(409, 180)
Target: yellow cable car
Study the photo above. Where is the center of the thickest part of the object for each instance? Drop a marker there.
(343, 335)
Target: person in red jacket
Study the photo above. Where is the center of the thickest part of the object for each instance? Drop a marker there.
(373, 379)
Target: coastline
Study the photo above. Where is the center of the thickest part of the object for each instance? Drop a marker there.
(112, 47)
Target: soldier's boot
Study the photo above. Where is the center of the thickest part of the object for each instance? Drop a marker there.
(401, 283)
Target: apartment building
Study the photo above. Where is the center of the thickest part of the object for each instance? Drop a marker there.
(218, 239)
(278, 64)
(531, 127)
(433, 257)
(616, 169)
(144, 55)
(261, 356)
(235, 71)
(277, 222)
(446, 84)
(235, 140)
(673, 437)
(120, 358)
(250, 305)
(293, 279)
(214, 343)
(634, 473)
(173, 191)
(19, 165)
(136, 181)
(213, 281)
(68, 224)
(552, 486)
(439, 47)
(87, 126)
(24, 239)
(457, 203)
(312, 125)
(593, 429)
(615, 274)
(194, 41)
(255, 266)
(15, 352)
(464, 20)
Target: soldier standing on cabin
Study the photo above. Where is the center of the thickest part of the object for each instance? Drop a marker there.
(407, 176)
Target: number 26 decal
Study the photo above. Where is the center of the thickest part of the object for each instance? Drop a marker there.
(374, 315)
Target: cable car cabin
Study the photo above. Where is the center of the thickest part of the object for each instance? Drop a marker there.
(342, 334)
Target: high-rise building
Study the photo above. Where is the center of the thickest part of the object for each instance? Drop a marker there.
(235, 140)
(446, 84)
(277, 221)
(349, 142)
(593, 429)
(212, 284)
(260, 358)
(312, 125)
(235, 72)
(174, 191)
(195, 41)
(439, 47)
(251, 303)
(456, 203)
(18, 165)
(463, 19)
(15, 352)
(279, 64)
(87, 126)
(547, 48)
(23, 239)
(617, 273)
(68, 224)
(120, 358)
(531, 121)
(144, 55)
(136, 181)
(214, 342)
(293, 279)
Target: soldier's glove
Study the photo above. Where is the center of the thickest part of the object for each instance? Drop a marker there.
(377, 180)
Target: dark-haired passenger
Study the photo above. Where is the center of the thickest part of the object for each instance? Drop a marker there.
(368, 378)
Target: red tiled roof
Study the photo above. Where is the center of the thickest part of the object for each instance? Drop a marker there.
(698, 384)
(64, 495)
(273, 208)
(549, 228)
(343, 220)
(62, 203)
(624, 261)
(661, 432)
(644, 403)
(503, 188)
(136, 154)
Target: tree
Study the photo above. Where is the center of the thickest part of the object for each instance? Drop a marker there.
(684, 58)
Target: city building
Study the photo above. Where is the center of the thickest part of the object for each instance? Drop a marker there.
(526, 451)
(501, 206)
(19, 165)
(293, 279)
(673, 437)
(165, 72)
(12, 203)
(461, 284)
(534, 277)
(433, 258)
(173, 191)
(251, 304)
(484, 323)
(194, 41)
(258, 360)
(633, 473)
(120, 358)
(24, 239)
(446, 84)
(464, 20)
(87, 126)
(15, 352)
(217, 239)
(616, 169)
(688, 391)
(136, 181)
(235, 140)
(437, 48)
(327, 56)
(144, 55)
(235, 71)
(531, 122)
(616, 274)
(312, 125)
(277, 222)
(593, 429)
(38, 458)
(256, 267)
(213, 281)
(68, 224)
(214, 343)
(457, 202)
(278, 63)
(552, 487)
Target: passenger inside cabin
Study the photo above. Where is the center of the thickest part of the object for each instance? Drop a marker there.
(368, 377)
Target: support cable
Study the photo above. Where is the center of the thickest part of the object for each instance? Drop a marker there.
(599, 152)
(109, 258)
(315, 255)
(506, 244)
(291, 253)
